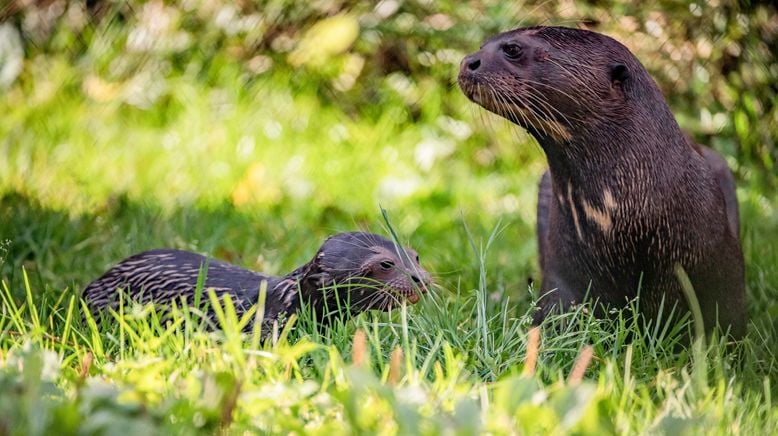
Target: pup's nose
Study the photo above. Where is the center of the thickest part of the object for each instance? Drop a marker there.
(421, 282)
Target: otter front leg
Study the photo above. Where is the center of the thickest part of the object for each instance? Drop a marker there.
(555, 294)
(545, 197)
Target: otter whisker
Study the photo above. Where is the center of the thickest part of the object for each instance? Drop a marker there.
(575, 75)
(500, 106)
(516, 113)
(543, 108)
(509, 109)
(591, 115)
(392, 299)
(475, 89)
(541, 98)
(530, 114)
(503, 97)
(554, 126)
(480, 112)
(368, 300)
(586, 85)
(536, 113)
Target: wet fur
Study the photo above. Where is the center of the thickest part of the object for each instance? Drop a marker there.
(626, 196)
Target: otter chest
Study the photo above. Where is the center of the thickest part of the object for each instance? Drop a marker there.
(621, 237)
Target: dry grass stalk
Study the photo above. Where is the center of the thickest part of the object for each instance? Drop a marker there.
(395, 366)
(581, 363)
(359, 349)
(533, 347)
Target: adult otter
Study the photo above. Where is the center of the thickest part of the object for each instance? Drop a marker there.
(351, 273)
(626, 196)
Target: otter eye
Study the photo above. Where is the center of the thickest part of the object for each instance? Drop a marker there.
(512, 51)
(387, 264)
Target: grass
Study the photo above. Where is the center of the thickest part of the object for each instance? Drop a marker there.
(258, 173)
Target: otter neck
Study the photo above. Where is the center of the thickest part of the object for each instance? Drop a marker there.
(294, 287)
(302, 286)
(611, 153)
(284, 292)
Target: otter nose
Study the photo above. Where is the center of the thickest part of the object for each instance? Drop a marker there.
(470, 63)
(420, 283)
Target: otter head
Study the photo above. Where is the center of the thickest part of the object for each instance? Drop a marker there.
(363, 271)
(555, 82)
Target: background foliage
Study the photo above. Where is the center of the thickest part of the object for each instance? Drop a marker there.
(250, 130)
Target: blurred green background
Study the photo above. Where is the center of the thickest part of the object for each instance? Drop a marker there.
(251, 130)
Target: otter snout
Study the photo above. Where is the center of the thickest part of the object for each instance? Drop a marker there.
(421, 282)
(467, 81)
(470, 63)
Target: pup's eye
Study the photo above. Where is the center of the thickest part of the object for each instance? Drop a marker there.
(417, 258)
(512, 51)
(387, 264)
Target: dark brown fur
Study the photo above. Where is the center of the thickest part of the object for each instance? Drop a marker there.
(351, 273)
(626, 196)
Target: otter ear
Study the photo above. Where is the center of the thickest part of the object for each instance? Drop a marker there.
(619, 73)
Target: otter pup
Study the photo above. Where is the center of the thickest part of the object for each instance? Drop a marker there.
(626, 197)
(351, 272)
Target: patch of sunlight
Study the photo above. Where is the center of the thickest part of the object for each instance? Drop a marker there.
(328, 37)
(256, 187)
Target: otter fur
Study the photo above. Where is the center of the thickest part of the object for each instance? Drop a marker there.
(350, 273)
(627, 197)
